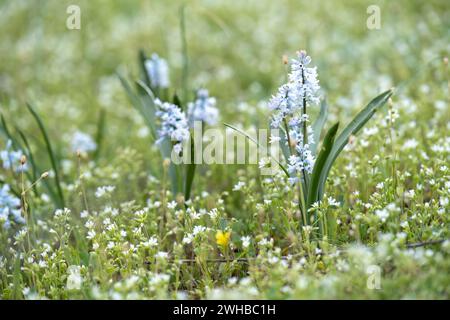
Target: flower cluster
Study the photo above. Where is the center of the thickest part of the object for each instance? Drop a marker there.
(74, 278)
(303, 159)
(82, 142)
(11, 158)
(104, 190)
(203, 109)
(158, 72)
(289, 105)
(9, 207)
(174, 124)
(303, 80)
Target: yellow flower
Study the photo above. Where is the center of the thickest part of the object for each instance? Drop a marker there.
(223, 238)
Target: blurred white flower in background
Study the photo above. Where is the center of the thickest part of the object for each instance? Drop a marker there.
(9, 206)
(82, 142)
(101, 191)
(11, 158)
(158, 71)
(203, 109)
(74, 279)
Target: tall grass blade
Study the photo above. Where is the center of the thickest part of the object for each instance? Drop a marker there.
(145, 75)
(190, 172)
(50, 154)
(27, 150)
(100, 132)
(185, 70)
(7, 133)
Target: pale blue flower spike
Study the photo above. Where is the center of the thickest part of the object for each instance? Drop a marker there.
(302, 87)
(158, 72)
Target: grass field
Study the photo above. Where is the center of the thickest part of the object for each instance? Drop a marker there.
(91, 206)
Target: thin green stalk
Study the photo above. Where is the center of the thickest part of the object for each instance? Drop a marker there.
(83, 191)
(302, 201)
(185, 71)
(100, 132)
(24, 207)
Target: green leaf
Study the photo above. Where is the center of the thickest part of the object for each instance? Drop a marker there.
(190, 172)
(324, 153)
(142, 59)
(318, 125)
(351, 129)
(50, 153)
(256, 142)
(148, 99)
(177, 101)
(143, 104)
(165, 148)
(100, 132)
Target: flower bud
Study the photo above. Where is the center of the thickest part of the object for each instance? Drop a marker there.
(166, 163)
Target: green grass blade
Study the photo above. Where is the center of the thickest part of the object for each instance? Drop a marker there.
(185, 69)
(177, 101)
(318, 125)
(352, 128)
(50, 153)
(100, 132)
(142, 59)
(256, 142)
(324, 153)
(190, 172)
(174, 171)
(37, 171)
(11, 188)
(17, 278)
(7, 133)
(17, 145)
